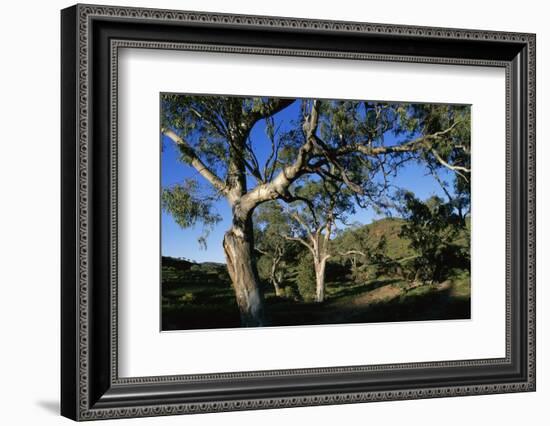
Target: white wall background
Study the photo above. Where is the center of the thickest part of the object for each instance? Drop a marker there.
(29, 212)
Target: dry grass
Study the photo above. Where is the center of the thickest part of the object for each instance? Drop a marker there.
(378, 295)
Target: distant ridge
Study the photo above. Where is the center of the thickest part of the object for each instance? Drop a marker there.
(183, 264)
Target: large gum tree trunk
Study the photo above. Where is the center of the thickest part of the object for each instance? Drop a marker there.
(320, 280)
(238, 247)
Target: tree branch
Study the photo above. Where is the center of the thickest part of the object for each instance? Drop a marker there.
(441, 183)
(450, 166)
(347, 253)
(271, 108)
(300, 240)
(265, 253)
(195, 161)
(421, 142)
(298, 219)
(280, 183)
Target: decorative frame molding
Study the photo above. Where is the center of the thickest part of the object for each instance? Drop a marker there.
(91, 37)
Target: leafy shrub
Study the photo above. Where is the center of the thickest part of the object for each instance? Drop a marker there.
(263, 264)
(432, 228)
(289, 292)
(305, 278)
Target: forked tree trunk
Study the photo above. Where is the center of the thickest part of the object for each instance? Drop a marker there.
(320, 279)
(238, 247)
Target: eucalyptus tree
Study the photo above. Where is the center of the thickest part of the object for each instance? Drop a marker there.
(314, 218)
(433, 227)
(271, 225)
(344, 141)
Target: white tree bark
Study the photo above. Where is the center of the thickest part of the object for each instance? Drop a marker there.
(320, 266)
(238, 245)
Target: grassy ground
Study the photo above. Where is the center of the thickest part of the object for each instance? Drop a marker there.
(201, 297)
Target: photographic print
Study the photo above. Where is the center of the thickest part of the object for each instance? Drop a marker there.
(289, 212)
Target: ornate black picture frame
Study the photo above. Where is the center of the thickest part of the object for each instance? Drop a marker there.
(91, 387)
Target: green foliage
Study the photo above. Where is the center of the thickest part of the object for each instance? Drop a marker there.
(263, 264)
(461, 284)
(271, 225)
(305, 278)
(211, 124)
(187, 206)
(275, 251)
(389, 229)
(372, 250)
(327, 200)
(432, 227)
(290, 292)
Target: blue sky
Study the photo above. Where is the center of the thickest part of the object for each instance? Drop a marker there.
(178, 242)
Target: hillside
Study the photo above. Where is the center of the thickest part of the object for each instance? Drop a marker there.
(396, 247)
(177, 263)
(370, 236)
(177, 270)
(390, 228)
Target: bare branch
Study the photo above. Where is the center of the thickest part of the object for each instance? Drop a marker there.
(195, 161)
(253, 168)
(217, 123)
(304, 225)
(450, 166)
(349, 252)
(271, 161)
(421, 142)
(280, 183)
(259, 250)
(301, 241)
(333, 159)
(292, 198)
(440, 182)
(328, 228)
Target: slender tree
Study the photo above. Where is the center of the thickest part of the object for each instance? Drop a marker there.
(323, 203)
(340, 140)
(271, 224)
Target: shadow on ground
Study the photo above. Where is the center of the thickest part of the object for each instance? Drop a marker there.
(383, 300)
(51, 407)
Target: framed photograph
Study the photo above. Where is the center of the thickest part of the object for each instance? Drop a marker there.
(263, 212)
